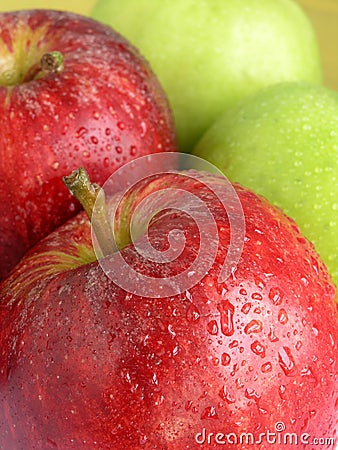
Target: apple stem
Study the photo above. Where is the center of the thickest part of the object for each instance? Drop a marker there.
(89, 195)
(52, 62)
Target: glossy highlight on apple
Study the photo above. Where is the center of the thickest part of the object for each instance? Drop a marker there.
(167, 184)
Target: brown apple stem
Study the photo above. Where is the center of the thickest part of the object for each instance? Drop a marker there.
(90, 195)
(49, 62)
(52, 62)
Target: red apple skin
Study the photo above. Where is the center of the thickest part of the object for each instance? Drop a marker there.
(102, 110)
(86, 365)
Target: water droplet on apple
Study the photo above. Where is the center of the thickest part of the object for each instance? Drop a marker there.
(258, 349)
(154, 379)
(81, 132)
(256, 296)
(251, 394)
(121, 125)
(286, 361)
(266, 367)
(298, 345)
(55, 165)
(254, 326)
(283, 317)
(125, 375)
(226, 359)
(235, 368)
(188, 405)
(246, 308)
(307, 372)
(332, 341)
(272, 337)
(239, 383)
(193, 313)
(315, 330)
(118, 149)
(175, 350)
(281, 391)
(226, 310)
(212, 327)
(133, 150)
(143, 439)
(94, 140)
(209, 413)
(233, 344)
(225, 395)
(276, 296)
(259, 283)
(215, 361)
(171, 330)
(143, 129)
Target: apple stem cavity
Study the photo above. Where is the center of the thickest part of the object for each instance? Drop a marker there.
(91, 196)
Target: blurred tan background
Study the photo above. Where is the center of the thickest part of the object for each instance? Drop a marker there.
(322, 13)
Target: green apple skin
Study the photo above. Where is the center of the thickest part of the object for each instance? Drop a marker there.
(283, 143)
(208, 54)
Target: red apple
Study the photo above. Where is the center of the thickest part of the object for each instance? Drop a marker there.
(97, 104)
(87, 364)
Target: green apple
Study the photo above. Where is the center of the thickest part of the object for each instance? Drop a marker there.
(283, 143)
(208, 54)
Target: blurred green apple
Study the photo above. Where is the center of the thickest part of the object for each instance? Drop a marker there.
(208, 54)
(283, 143)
